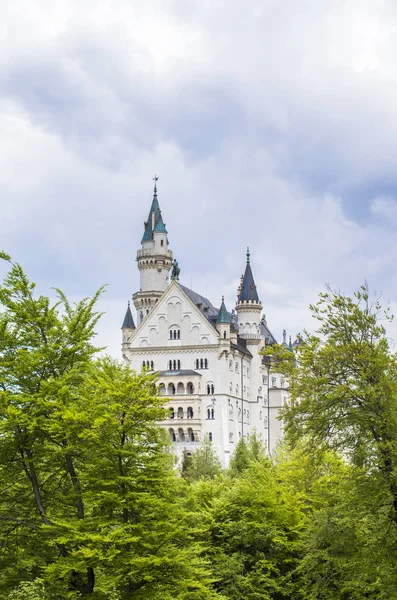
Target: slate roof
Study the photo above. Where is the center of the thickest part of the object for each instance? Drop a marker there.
(188, 372)
(241, 346)
(266, 333)
(207, 308)
(128, 322)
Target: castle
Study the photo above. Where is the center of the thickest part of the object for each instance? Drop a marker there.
(208, 360)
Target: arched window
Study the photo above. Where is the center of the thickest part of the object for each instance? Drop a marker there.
(212, 389)
(190, 434)
(230, 413)
(172, 434)
(179, 334)
(189, 412)
(174, 365)
(190, 388)
(201, 364)
(197, 363)
(179, 365)
(161, 389)
(172, 412)
(170, 334)
(143, 364)
(210, 436)
(212, 413)
(239, 414)
(181, 435)
(180, 389)
(161, 242)
(208, 389)
(180, 412)
(170, 365)
(205, 363)
(171, 389)
(231, 438)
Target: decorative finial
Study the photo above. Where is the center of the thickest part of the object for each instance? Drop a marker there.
(155, 179)
(223, 298)
(128, 304)
(248, 255)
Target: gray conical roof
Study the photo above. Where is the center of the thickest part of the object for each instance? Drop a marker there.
(248, 291)
(155, 208)
(128, 322)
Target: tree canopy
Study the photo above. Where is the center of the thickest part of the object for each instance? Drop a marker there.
(94, 505)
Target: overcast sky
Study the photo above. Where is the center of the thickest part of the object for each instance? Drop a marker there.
(271, 123)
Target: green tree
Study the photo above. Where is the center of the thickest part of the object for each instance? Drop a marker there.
(91, 505)
(204, 462)
(344, 399)
(246, 453)
(254, 530)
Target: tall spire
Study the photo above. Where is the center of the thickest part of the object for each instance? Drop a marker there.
(154, 215)
(247, 290)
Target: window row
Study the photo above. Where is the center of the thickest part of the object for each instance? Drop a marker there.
(175, 334)
(180, 414)
(178, 389)
(174, 365)
(148, 364)
(180, 435)
(201, 363)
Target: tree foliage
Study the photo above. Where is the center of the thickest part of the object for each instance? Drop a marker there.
(90, 503)
(93, 505)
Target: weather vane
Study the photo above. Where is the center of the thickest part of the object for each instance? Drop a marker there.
(155, 179)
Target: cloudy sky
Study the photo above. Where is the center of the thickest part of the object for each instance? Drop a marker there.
(271, 123)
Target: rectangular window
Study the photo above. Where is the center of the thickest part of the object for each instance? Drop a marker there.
(274, 381)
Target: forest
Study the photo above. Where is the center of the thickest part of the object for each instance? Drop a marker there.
(93, 504)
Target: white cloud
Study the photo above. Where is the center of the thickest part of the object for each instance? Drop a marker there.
(271, 124)
(385, 207)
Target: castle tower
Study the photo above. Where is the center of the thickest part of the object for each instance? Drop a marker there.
(154, 260)
(248, 306)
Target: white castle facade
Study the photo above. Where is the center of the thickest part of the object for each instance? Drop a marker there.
(208, 360)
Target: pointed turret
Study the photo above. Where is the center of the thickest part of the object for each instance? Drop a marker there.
(223, 323)
(248, 305)
(154, 216)
(160, 226)
(128, 322)
(128, 325)
(247, 290)
(223, 315)
(154, 260)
